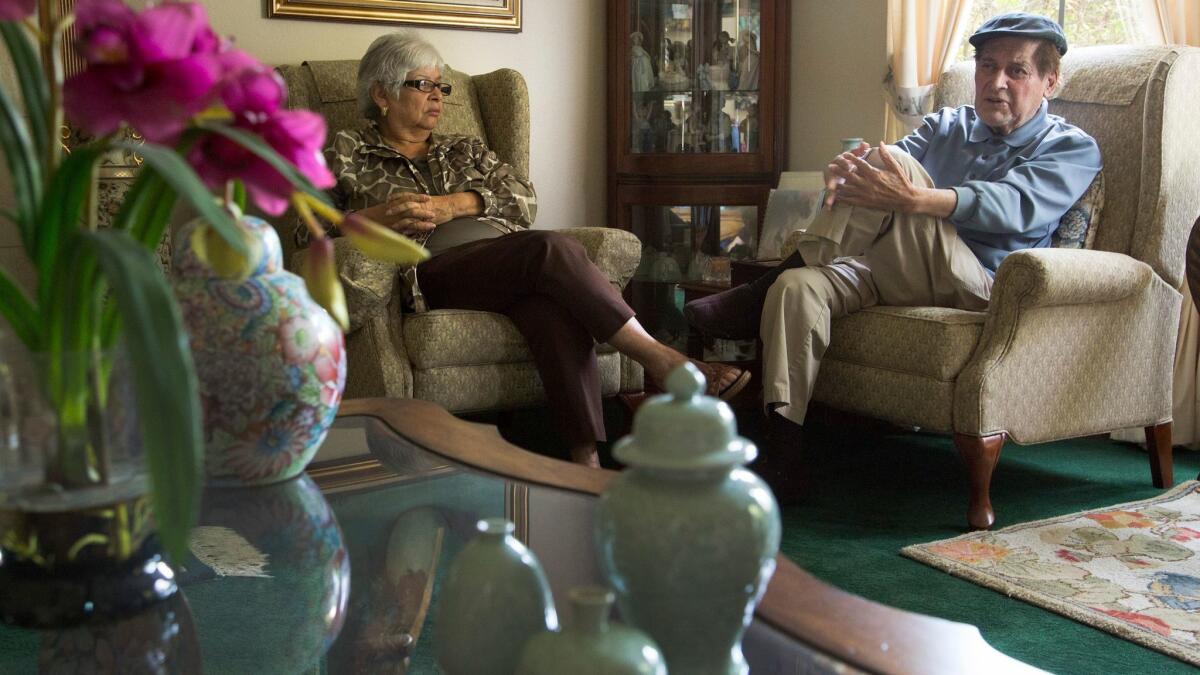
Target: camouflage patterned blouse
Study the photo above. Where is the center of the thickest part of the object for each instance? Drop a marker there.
(368, 171)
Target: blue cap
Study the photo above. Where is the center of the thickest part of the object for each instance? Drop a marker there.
(1021, 25)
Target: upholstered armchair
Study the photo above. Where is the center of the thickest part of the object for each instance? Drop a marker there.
(462, 360)
(1074, 342)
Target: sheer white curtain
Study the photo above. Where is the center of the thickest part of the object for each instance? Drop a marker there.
(922, 38)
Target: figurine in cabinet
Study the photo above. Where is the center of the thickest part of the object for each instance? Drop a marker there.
(642, 70)
(640, 132)
(747, 61)
(720, 62)
(663, 132)
(748, 130)
(671, 75)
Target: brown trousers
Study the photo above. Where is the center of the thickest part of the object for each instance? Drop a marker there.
(559, 300)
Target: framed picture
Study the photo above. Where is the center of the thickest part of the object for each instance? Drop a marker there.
(497, 15)
(790, 207)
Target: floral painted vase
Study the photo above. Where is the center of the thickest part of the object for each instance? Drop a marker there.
(270, 360)
(686, 536)
(590, 644)
(269, 578)
(495, 599)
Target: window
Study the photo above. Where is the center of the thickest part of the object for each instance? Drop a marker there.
(1086, 22)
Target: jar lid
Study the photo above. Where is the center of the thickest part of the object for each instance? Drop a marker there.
(683, 429)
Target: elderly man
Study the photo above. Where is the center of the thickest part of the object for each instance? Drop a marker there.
(924, 222)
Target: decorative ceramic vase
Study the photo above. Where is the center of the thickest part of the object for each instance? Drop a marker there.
(495, 598)
(160, 639)
(77, 540)
(590, 645)
(686, 536)
(284, 578)
(270, 361)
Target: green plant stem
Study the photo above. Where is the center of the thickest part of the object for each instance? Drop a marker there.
(53, 28)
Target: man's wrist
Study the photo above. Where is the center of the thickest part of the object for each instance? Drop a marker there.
(935, 202)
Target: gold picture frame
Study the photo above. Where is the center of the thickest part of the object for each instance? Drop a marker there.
(493, 15)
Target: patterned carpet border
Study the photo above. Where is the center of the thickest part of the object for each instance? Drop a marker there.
(1135, 627)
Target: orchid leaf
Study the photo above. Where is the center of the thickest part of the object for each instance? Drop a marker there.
(180, 177)
(62, 210)
(165, 383)
(34, 92)
(266, 153)
(21, 155)
(18, 311)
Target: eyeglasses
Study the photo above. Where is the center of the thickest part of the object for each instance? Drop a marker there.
(427, 86)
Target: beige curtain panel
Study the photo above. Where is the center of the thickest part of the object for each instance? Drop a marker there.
(922, 39)
(1170, 21)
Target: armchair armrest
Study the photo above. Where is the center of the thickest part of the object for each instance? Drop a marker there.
(369, 284)
(616, 252)
(1076, 342)
(1047, 277)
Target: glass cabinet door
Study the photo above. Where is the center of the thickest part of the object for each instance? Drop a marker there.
(694, 76)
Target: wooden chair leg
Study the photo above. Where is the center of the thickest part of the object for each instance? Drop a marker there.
(980, 453)
(1158, 442)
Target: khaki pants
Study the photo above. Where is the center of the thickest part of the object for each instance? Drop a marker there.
(857, 258)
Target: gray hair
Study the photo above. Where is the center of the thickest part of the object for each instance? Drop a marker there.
(389, 58)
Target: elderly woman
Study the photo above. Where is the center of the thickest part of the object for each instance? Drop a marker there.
(472, 211)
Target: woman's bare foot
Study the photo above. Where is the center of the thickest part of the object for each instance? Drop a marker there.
(586, 455)
(724, 381)
(659, 360)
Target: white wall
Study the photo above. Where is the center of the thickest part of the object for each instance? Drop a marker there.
(560, 51)
(839, 57)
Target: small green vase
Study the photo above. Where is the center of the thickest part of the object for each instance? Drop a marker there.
(686, 536)
(590, 645)
(494, 600)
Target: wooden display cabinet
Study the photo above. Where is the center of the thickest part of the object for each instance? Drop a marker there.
(697, 120)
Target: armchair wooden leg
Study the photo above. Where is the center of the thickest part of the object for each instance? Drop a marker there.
(980, 453)
(1158, 442)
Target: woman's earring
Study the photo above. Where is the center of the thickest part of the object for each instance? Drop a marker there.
(383, 111)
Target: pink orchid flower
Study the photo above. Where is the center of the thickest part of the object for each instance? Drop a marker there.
(15, 10)
(297, 135)
(153, 70)
(253, 94)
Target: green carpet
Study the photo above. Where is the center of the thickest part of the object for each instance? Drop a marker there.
(870, 494)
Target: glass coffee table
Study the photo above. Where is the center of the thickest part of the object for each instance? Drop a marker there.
(340, 571)
(429, 476)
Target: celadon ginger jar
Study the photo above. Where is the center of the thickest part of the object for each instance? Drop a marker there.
(686, 535)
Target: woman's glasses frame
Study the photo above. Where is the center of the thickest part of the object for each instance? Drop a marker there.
(427, 86)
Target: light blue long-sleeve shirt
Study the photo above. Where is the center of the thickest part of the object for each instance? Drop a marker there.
(1011, 189)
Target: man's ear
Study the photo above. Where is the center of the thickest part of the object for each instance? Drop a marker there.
(1051, 85)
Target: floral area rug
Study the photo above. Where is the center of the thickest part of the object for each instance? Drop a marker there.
(1131, 569)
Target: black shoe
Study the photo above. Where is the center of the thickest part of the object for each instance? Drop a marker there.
(781, 461)
(735, 314)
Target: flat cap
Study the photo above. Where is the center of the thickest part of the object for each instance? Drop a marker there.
(1022, 25)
